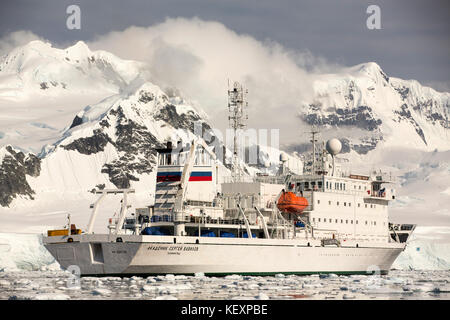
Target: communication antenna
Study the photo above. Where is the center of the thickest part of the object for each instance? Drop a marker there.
(237, 115)
(314, 131)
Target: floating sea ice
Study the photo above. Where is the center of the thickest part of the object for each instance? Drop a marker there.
(165, 297)
(4, 284)
(113, 279)
(280, 275)
(101, 292)
(199, 275)
(22, 282)
(133, 287)
(233, 277)
(262, 296)
(251, 286)
(72, 288)
(51, 296)
(148, 288)
(170, 277)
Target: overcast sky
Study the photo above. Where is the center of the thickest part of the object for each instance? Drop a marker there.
(412, 44)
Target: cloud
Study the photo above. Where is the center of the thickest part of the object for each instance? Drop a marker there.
(198, 57)
(16, 39)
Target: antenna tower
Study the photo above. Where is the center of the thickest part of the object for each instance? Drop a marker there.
(237, 115)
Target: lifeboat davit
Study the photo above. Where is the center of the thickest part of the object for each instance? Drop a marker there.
(290, 202)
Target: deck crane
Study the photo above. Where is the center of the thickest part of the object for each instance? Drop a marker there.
(180, 197)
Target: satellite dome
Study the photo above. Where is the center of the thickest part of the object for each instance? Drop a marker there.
(334, 146)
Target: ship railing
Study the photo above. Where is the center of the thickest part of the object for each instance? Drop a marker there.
(378, 194)
(197, 219)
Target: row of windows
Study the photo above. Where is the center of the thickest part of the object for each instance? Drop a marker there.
(372, 206)
(329, 220)
(328, 184)
(337, 185)
(310, 184)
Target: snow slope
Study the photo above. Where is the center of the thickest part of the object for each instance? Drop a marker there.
(42, 88)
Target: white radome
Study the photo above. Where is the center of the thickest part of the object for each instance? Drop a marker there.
(334, 146)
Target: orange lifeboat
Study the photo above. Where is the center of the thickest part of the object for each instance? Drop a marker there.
(290, 202)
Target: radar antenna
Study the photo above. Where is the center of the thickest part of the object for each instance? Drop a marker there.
(236, 104)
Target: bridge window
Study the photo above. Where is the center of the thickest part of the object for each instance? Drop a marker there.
(319, 219)
(342, 221)
(329, 202)
(336, 221)
(359, 205)
(337, 203)
(318, 201)
(346, 221)
(351, 221)
(319, 184)
(356, 221)
(349, 204)
(345, 204)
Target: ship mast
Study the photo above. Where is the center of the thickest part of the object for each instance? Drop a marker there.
(236, 104)
(313, 132)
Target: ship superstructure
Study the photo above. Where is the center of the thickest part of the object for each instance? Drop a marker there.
(324, 220)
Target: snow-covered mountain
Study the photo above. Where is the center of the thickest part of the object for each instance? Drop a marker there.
(368, 109)
(42, 88)
(39, 69)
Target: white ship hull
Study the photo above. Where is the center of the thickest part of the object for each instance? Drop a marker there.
(145, 255)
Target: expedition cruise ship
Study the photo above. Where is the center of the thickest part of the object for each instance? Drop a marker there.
(325, 220)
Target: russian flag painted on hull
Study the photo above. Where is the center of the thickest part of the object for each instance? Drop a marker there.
(176, 176)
